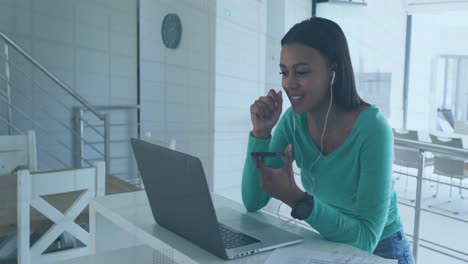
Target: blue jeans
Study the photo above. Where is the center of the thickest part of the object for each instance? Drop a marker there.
(395, 247)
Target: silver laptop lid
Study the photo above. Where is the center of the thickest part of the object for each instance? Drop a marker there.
(179, 195)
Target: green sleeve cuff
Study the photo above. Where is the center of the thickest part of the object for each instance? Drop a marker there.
(314, 218)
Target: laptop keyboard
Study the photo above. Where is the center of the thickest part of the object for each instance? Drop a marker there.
(234, 239)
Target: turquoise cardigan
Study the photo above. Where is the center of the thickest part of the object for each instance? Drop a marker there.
(355, 202)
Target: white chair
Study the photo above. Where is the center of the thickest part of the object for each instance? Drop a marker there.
(449, 166)
(18, 151)
(406, 157)
(445, 120)
(31, 186)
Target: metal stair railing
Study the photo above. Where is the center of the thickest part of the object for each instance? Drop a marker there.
(122, 125)
(52, 118)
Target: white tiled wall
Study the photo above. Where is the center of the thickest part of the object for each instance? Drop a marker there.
(88, 44)
(248, 35)
(177, 86)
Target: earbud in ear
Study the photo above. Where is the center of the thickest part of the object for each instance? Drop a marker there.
(333, 78)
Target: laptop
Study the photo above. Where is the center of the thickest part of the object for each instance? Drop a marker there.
(180, 201)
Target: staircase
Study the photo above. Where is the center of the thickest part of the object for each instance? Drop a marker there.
(70, 132)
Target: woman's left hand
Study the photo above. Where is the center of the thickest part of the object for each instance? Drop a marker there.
(280, 183)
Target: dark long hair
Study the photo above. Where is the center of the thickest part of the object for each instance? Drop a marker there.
(327, 37)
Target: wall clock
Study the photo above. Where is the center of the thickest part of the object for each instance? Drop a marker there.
(171, 31)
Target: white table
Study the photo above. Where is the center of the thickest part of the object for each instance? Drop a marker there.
(125, 221)
(132, 255)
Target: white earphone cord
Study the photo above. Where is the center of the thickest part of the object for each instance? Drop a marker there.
(312, 183)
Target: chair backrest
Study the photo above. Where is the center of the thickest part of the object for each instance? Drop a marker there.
(171, 144)
(444, 164)
(405, 156)
(18, 151)
(31, 188)
(447, 115)
(405, 134)
(445, 120)
(446, 141)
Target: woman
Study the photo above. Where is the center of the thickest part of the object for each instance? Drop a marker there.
(343, 146)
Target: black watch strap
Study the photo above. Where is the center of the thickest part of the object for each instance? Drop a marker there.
(303, 208)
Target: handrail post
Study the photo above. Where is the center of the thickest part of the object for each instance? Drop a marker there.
(8, 88)
(417, 209)
(107, 142)
(79, 128)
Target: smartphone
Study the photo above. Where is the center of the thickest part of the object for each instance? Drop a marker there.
(263, 155)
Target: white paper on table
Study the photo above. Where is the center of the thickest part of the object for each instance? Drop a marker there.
(290, 255)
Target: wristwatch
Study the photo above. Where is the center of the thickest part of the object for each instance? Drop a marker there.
(303, 208)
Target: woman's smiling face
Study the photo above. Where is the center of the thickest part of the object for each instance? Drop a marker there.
(306, 77)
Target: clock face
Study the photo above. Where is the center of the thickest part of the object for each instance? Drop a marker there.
(171, 31)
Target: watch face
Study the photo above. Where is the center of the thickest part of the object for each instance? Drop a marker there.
(171, 31)
(303, 210)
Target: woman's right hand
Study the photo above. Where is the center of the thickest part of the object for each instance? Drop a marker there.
(265, 113)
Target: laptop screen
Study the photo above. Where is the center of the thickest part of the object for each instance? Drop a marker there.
(178, 194)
